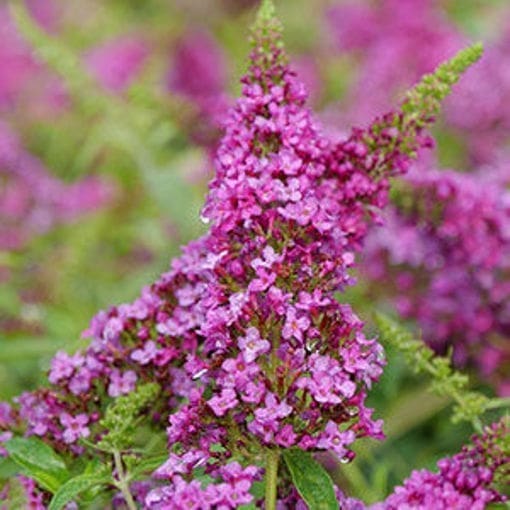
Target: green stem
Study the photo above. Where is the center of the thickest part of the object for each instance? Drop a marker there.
(122, 482)
(271, 478)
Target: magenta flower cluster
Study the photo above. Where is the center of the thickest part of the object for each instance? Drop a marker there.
(462, 481)
(443, 265)
(245, 334)
(445, 251)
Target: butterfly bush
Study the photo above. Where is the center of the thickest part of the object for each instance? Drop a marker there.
(433, 254)
(445, 252)
(465, 480)
(244, 338)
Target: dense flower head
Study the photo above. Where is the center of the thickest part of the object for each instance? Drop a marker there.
(445, 251)
(464, 480)
(244, 335)
(281, 362)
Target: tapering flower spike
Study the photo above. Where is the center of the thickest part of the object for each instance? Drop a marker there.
(244, 335)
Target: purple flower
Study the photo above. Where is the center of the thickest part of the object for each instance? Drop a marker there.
(334, 439)
(146, 354)
(252, 346)
(303, 211)
(269, 257)
(80, 382)
(180, 464)
(74, 427)
(220, 404)
(63, 366)
(295, 326)
(121, 383)
(112, 329)
(263, 281)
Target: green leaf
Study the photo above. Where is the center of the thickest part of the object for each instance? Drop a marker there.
(38, 461)
(311, 480)
(8, 468)
(75, 486)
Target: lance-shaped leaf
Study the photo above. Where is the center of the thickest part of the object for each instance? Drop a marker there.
(38, 461)
(311, 480)
(75, 486)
